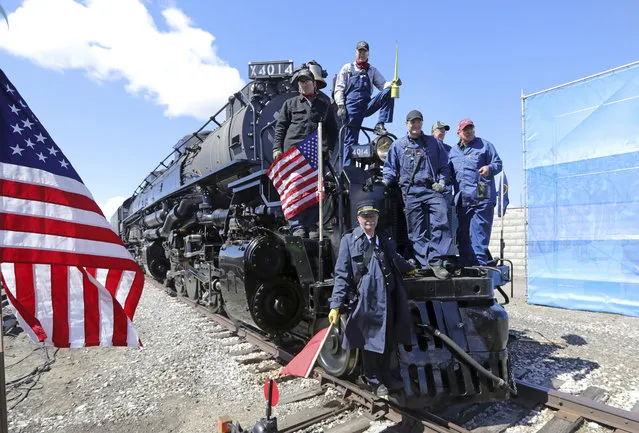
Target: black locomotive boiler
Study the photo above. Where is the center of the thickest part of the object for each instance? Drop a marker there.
(208, 223)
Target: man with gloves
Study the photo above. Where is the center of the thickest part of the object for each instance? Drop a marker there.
(475, 163)
(368, 279)
(419, 164)
(353, 96)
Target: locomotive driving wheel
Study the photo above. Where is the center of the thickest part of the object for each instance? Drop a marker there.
(277, 305)
(333, 358)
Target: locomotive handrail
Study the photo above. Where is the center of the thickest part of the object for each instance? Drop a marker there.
(246, 101)
(268, 125)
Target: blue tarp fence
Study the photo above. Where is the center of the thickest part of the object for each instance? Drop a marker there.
(581, 143)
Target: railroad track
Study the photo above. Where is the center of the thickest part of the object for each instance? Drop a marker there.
(570, 411)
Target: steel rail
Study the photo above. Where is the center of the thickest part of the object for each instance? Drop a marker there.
(588, 409)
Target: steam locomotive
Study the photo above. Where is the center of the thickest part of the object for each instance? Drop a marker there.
(208, 223)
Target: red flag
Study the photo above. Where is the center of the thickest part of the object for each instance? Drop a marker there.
(66, 273)
(303, 363)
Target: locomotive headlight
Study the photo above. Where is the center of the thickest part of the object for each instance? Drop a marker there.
(382, 146)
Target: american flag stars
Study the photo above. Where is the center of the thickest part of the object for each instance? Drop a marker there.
(28, 130)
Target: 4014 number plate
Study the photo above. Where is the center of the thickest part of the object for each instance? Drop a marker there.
(280, 68)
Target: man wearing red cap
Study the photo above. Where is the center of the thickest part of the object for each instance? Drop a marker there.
(475, 163)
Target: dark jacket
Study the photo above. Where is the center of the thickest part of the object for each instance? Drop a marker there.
(366, 326)
(298, 118)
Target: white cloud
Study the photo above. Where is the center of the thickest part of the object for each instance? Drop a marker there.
(118, 39)
(111, 205)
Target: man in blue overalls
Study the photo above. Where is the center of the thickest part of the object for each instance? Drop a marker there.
(353, 96)
(368, 282)
(419, 163)
(475, 163)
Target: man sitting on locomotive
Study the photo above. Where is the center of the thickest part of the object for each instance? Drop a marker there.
(297, 119)
(368, 279)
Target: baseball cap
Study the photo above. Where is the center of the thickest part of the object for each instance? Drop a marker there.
(464, 123)
(439, 124)
(414, 114)
(362, 45)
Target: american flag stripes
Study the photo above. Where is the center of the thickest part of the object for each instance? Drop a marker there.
(66, 273)
(294, 175)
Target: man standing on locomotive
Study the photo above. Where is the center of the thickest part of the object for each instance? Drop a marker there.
(438, 130)
(368, 279)
(353, 92)
(475, 163)
(419, 163)
(297, 119)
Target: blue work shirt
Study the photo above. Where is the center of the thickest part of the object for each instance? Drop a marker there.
(404, 154)
(466, 162)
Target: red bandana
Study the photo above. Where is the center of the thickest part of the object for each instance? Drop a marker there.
(311, 96)
(362, 65)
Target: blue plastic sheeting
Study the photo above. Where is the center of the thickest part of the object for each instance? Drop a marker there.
(582, 176)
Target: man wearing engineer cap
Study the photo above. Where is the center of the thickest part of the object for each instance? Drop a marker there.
(353, 96)
(475, 163)
(419, 164)
(368, 281)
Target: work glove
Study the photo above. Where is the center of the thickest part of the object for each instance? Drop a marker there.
(341, 112)
(276, 152)
(412, 273)
(439, 186)
(333, 316)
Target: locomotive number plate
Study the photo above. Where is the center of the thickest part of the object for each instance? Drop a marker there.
(280, 68)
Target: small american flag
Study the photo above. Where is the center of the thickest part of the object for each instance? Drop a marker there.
(294, 175)
(68, 276)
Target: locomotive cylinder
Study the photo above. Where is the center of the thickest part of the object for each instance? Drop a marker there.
(155, 219)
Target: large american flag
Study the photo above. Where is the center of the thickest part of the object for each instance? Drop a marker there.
(294, 175)
(66, 273)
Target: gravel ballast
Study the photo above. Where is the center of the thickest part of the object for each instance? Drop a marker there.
(185, 376)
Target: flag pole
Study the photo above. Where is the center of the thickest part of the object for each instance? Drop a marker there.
(501, 207)
(320, 191)
(319, 349)
(4, 425)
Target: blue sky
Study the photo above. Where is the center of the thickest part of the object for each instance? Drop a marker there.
(118, 82)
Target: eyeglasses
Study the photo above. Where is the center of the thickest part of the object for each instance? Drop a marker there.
(368, 215)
